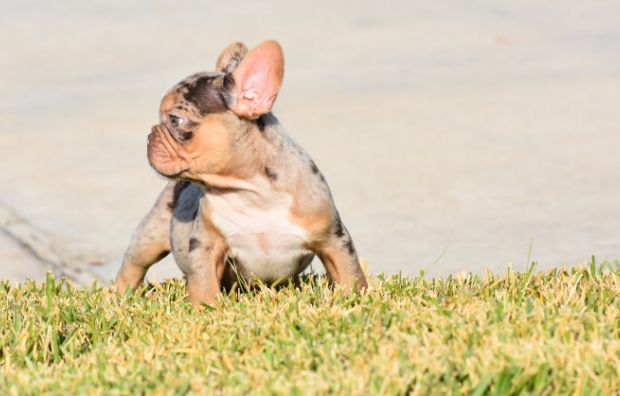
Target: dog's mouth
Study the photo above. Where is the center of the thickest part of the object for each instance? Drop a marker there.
(176, 176)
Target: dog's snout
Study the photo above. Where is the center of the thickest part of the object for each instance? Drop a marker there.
(154, 131)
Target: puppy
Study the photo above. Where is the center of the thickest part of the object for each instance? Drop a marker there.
(244, 199)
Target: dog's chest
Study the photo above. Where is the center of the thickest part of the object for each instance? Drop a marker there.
(263, 240)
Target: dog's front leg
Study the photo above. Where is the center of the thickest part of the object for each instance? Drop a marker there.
(208, 252)
(150, 242)
(340, 260)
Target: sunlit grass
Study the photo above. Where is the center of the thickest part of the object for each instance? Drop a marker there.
(553, 332)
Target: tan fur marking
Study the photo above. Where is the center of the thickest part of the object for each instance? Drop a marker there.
(317, 224)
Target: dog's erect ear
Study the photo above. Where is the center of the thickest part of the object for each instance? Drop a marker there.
(230, 57)
(258, 79)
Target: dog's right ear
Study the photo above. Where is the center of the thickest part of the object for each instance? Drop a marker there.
(231, 56)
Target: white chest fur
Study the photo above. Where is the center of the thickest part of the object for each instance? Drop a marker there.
(257, 226)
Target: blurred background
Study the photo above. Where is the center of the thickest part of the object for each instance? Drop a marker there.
(484, 126)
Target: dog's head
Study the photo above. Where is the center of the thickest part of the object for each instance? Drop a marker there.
(203, 117)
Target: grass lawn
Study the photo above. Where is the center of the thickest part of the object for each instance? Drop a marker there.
(554, 332)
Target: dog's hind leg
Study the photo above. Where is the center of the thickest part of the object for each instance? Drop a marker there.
(151, 240)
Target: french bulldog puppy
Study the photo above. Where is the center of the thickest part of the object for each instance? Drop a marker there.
(244, 199)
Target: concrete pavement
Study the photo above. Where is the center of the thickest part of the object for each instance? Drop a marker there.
(469, 125)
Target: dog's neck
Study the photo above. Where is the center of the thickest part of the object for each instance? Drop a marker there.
(258, 143)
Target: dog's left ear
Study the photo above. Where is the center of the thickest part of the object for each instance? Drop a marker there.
(258, 79)
(230, 57)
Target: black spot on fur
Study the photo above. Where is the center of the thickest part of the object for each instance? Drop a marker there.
(339, 227)
(205, 94)
(187, 210)
(162, 255)
(348, 244)
(185, 136)
(193, 244)
(180, 186)
(186, 215)
(260, 123)
(265, 121)
(316, 171)
(228, 86)
(271, 174)
(314, 168)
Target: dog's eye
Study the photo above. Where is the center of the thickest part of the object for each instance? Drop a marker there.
(175, 121)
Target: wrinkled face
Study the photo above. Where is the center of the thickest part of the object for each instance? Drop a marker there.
(204, 117)
(196, 130)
